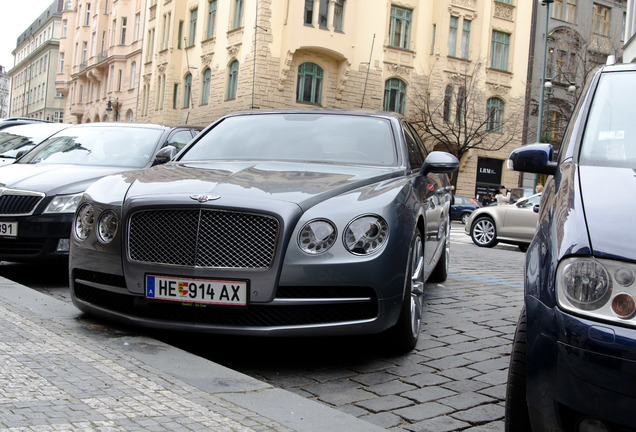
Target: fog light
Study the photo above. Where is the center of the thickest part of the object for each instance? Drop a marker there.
(63, 245)
(623, 306)
(591, 425)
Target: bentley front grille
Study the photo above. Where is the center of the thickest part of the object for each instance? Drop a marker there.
(203, 238)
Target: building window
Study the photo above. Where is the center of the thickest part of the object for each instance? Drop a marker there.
(448, 103)
(400, 27)
(309, 12)
(602, 19)
(133, 72)
(504, 1)
(323, 14)
(309, 89)
(554, 128)
(122, 39)
(452, 36)
(87, 20)
(119, 80)
(394, 95)
(175, 94)
(205, 87)
(180, 35)
(570, 11)
(166, 31)
(151, 45)
(61, 70)
(466, 38)
(338, 15)
(232, 80)
(64, 28)
(211, 18)
(460, 115)
(566, 14)
(137, 26)
(237, 22)
(193, 26)
(84, 52)
(494, 115)
(499, 50)
(187, 90)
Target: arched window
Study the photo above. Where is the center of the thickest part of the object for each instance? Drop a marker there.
(448, 103)
(187, 90)
(205, 87)
(232, 80)
(309, 88)
(394, 95)
(494, 114)
(461, 106)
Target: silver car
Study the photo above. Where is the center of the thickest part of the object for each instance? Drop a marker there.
(510, 223)
(281, 223)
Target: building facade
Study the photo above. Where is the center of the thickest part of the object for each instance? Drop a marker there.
(580, 35)
(5, 90)
(33, 91)
(99, 59)
(202, 59)
(629, 49)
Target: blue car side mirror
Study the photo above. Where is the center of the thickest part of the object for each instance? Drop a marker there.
(533, 158)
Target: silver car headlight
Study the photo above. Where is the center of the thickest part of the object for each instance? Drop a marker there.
(366, 234)
(64, 204)
(107, 226)
(597, 288)
(317, 236)
(84, 221)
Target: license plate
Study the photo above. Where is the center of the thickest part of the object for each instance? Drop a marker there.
(8, 229)
(189, 290)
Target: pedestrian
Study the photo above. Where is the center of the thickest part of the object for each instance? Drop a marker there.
(503, 197)
(539, 188)
(486, 199)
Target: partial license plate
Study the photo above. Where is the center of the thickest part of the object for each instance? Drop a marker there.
(209, 291)
(8, 229)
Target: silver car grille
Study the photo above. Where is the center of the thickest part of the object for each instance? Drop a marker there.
(18, 202)
(203, 238)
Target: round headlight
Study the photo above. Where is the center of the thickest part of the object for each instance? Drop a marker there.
(317, 236)
(84, 221)
(107, 226)
(366, 234)
(585, 283)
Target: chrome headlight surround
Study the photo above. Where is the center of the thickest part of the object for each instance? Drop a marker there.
(84, 221)
(317, 236)
(366, 234)
(107, 226)
(598, 288)
(64, 204)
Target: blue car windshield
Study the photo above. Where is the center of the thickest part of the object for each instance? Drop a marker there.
(610, 132)
(98, 146)
(322, 138)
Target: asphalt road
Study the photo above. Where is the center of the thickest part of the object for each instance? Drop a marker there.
(453, 381)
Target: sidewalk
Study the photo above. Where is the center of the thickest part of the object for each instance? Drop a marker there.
(59, 372)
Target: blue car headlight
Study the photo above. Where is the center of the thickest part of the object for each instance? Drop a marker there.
(597, 288)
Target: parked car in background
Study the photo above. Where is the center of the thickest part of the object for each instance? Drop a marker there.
(14, 121)
(18, 139)
(39, 193)
(462, 208)
(509, 223)
(309, 222)
(573, 362)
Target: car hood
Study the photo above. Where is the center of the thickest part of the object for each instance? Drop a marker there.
(52, 179)
(608, 213)
(302, 183)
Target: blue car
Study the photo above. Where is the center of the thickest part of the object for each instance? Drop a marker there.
(573, 362)
(462, 208)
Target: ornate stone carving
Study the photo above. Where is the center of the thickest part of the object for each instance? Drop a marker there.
(498, 90)
(342, 81)
(206, 59)
(284, 73)
(470, 4)
(232, 50)
(504, 11)
(398, 69)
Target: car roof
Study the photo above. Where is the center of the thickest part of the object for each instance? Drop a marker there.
(335, 111)
(120, 125)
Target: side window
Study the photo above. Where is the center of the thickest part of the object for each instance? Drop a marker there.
(416, 158)
(418, 140)
(180, 138)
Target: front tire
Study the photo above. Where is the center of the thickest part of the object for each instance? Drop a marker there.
(404, 334)
(517, 417)
(440, 272)
(483, 232)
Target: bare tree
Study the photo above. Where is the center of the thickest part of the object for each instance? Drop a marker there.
(460, 116)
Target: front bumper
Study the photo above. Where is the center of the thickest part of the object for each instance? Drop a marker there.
(578, 369)
(39, 237)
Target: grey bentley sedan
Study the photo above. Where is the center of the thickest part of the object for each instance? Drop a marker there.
(277, 223)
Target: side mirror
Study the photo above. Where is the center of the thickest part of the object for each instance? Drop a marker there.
(165, 155)
(536, 208)
(533, 158)
(439, 162)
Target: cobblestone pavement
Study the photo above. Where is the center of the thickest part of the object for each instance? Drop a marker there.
(455, 379)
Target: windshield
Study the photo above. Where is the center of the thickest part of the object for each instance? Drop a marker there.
(14, 139)
(610, 133)
(312, 137)
(97, 145)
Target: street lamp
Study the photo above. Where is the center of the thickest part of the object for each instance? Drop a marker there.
(109, 108)
(547, 86)
(545, 3)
